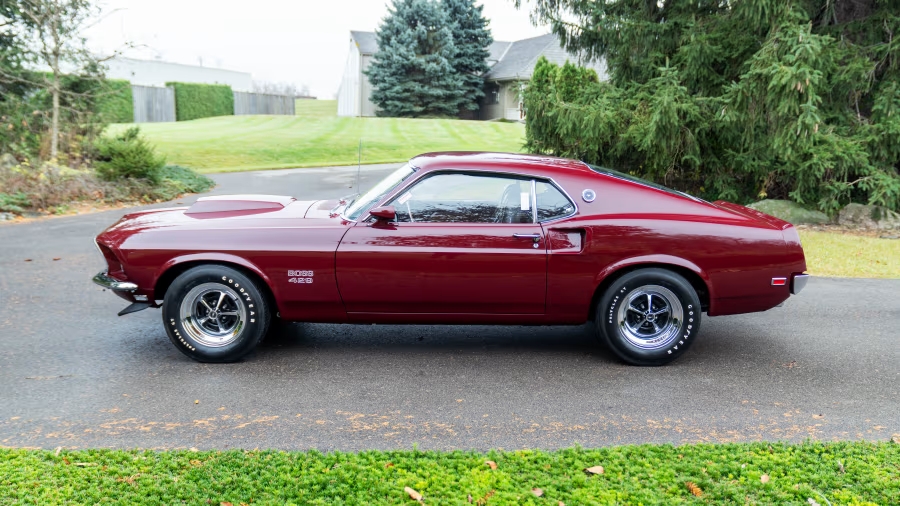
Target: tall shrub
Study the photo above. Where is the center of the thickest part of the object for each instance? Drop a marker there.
(195, 101)
(115, 101)
(128, 156)
(736, 100)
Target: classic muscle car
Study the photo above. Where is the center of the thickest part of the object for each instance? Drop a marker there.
(457, 238)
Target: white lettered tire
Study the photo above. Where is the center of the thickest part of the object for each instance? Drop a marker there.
(649, 317)
(214, 313)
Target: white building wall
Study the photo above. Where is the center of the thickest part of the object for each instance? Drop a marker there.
(158, 73)
(349, 92)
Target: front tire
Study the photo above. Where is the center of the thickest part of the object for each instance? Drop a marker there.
(214, 313)
(649, 317)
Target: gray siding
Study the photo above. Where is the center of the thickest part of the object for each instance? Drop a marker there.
(259, 103)
(368, 107)
(153, 104)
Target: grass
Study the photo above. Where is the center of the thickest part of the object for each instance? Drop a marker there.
(831, 254)
(316, 136)
(748, 473)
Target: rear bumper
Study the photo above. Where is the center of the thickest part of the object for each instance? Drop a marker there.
(104, 280)
(798, 282)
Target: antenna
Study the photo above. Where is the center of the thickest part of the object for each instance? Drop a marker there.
(358, 164)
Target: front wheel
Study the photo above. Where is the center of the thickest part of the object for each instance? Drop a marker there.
(649, 316)
(214, 313)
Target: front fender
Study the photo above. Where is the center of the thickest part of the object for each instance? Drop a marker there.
(213, 257)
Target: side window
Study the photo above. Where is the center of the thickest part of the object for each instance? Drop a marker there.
(551, 203)
(466, 198)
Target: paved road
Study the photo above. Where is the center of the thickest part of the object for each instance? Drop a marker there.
(825, 366)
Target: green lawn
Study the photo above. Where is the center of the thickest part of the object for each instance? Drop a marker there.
(316, 136)
(748, 473)
(831, 254)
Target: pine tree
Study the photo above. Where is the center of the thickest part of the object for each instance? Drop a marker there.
(738, 100)
(412, 73)
(472, 38)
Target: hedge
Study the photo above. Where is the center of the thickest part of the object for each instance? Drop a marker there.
(194, 101)
(116, 102)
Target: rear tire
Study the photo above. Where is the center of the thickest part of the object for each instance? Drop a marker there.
(649, 317)
(214, 313)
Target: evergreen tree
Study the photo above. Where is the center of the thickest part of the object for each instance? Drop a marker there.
(738, 100)
(412, 73)
(472, 38)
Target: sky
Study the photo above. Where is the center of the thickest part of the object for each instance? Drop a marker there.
(304, 42)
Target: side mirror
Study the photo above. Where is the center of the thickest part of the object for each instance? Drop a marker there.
(384, 213)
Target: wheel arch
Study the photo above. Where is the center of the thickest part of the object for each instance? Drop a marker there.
(688, 270)
(176, 266)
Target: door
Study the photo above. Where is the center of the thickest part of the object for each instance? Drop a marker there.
(462, 243)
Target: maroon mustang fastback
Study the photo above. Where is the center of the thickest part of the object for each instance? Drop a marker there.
(457, 238)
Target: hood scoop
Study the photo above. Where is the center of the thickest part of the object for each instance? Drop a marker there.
(232, 205)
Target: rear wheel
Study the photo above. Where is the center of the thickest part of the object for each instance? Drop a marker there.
(649, 316)
(214, 313)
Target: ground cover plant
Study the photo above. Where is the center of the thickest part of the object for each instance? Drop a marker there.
(316, 136)
(747, 473)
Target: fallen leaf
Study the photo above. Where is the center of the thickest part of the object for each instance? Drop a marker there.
(389, 464)
(27, 259)
(86, 464)
(491, 463)
(764, 478)
(224, 503)
(561, 503)
(595, 470)
(818, 417)
(58, 449)
(57, 259)
(413, 494)
(66, 461)
(470, 497)
(196, 462)
(896, 439)
(694, 489)
(197, 401)
(537, 492)
(812, 502)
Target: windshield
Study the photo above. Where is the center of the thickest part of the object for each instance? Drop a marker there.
(368, 199)
(635, 179)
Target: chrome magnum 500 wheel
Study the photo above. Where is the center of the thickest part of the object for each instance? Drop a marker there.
(214, 313)
(649, 316)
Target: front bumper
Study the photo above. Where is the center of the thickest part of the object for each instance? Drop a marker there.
(798, 282)
(103, 279)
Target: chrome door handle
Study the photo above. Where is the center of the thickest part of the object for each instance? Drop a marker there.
(535, 237)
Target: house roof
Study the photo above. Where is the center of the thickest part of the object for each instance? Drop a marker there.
(366, 42)
(521, 57)
(508, 60)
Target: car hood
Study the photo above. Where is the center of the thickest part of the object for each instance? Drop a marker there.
(227, 212)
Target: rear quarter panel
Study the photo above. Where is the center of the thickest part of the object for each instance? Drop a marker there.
(628, 225)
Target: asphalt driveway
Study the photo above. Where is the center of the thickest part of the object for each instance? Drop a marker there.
(824, 366)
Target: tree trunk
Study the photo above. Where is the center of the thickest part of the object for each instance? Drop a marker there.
(54, 129)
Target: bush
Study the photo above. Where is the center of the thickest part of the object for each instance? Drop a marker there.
(176, 180)
(128, 156)
(194, 101)
(115, 102)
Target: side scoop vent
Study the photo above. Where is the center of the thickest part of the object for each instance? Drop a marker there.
(243, 204)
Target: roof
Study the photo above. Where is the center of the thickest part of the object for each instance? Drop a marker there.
(521, 57)
(487, 160)
(508, 60)
(366, 41)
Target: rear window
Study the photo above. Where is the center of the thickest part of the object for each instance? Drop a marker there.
(634, 179)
